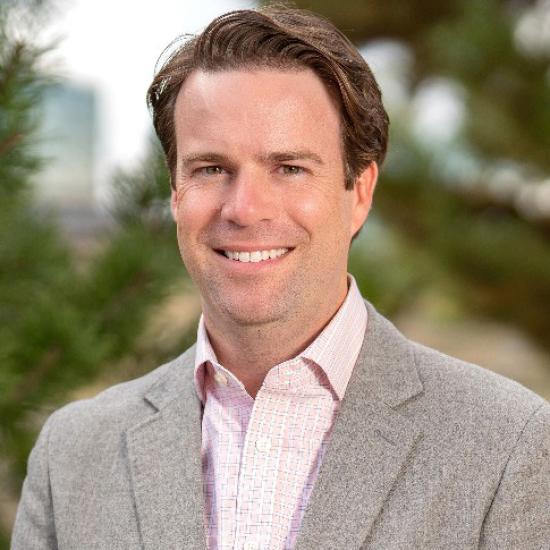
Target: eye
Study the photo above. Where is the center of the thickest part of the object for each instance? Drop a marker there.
(291, 170)
(210, 170)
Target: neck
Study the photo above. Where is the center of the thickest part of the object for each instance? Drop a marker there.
(250, 351)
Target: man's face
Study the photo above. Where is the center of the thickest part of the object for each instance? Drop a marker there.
(264, 221)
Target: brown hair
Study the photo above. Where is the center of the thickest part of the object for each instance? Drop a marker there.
(279, 37)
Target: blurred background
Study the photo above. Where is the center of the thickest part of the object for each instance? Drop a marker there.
(92, 290)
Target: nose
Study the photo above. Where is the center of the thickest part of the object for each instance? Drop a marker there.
(250, 198)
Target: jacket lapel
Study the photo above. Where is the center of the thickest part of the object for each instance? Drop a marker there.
(165, 462)
(369, 445)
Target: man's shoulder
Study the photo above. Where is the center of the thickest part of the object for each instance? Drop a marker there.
(123, 405)
(457, 393)
(451, 376)
(442, 382)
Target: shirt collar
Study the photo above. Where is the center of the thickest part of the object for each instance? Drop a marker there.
(335, 350)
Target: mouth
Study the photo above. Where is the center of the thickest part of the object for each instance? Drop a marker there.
(254, 256)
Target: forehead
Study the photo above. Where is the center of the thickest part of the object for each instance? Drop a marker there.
(270, 104)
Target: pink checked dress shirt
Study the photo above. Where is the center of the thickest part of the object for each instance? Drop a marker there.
(260, 457)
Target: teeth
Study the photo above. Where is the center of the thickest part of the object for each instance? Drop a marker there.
(256, 256)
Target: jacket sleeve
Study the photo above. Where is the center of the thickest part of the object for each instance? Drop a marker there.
(34, 527)
(519, 516)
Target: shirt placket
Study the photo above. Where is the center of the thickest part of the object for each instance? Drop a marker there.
(260, 465)
(228, 407)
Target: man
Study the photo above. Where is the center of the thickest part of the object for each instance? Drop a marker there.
(301, 418)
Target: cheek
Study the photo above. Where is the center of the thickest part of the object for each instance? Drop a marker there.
(194, 209)
(321, 214)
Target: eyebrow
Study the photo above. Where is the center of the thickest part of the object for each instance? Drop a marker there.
(202, 157)
(285, 156)
(278, 156)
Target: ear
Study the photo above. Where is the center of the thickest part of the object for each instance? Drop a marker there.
(174, 204)
(363, 192)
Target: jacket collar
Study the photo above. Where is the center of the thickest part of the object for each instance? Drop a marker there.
(164, 454)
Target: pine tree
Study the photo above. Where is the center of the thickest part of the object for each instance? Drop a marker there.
(62, 327)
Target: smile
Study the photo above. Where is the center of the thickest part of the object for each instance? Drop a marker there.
(256, 255)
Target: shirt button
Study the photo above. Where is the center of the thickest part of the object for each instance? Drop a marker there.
(220, 378)
(263, 444)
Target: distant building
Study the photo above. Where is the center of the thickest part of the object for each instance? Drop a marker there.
(67, 142)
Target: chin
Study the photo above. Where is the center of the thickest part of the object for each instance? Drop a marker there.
(253, 313)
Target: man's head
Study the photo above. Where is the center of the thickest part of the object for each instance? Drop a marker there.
(280, 38)
(273, 129)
